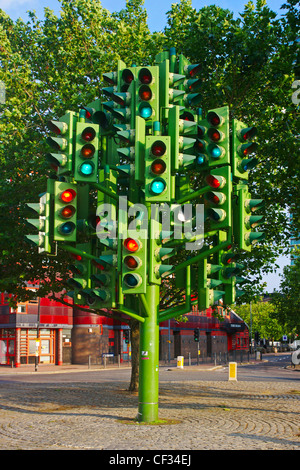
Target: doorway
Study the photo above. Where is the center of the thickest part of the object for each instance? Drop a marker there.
(177, 343)
(208, 343)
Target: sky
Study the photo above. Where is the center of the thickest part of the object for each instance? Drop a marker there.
(156, 10)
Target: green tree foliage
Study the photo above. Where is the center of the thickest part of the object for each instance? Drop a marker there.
(287, 300)
(49, 66)
(261, 314)
(247, 63)
(53, 64)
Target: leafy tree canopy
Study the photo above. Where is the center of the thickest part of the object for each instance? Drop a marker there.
(287, 300)
(53, 64)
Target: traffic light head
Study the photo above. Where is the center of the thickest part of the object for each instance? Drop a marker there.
(245, 220)
(243, 149)
(134, 265)
(65, 211)
(127, 78)
(179, 130)
(61, 160)
(80, 269)
(147, 93)
(212, 144)
(86, 152)
(218, 200)
(189, 86)
(158, 183)
(207, 282)
(43, 223)
(120, 108)
(127, 336)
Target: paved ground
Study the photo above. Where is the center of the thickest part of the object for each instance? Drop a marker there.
(209, 415)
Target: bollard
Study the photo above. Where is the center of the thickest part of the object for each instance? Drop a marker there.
(180, 362)
(258, 355)
(232, 371)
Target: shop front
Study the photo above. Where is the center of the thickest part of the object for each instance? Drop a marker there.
(7, 347)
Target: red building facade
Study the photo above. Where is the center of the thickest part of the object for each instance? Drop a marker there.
(58, 334)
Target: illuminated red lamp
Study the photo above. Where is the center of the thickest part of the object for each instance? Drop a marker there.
(131, 245)
(68, 195)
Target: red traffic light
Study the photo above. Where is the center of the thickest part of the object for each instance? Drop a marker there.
(145, 76)
(76, 257)
(199, 146)
(58, 127)
(248, 133)
(216, 198)
(68, 195)
(214, 119)
(158, 167)
(247, 149)
(131, 245)
(187, 116)
(87, 151)
(229, 258)
(192, 70)
(127, 76)
(67, 212)
(88, 134)
(158, 149)
(132, 262)
(98, 265)
(200, 132)
(216, 181)
(214, 135)
(145, 93)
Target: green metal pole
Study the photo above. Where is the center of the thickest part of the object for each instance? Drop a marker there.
(149, 359)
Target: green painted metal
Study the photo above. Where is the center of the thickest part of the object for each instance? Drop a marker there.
(243, 148)
(149, 359)
(144, 105)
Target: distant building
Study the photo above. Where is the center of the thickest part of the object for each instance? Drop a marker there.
(61, 334)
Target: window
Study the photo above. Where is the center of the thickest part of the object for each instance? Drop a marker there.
(21, 309)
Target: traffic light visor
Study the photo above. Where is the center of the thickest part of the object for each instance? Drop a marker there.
(214, 119)
(132, 280)
(127, 76)
(216, 181)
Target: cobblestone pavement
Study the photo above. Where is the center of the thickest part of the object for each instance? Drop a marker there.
(209, 415)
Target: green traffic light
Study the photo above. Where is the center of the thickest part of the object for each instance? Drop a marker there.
(158, 186)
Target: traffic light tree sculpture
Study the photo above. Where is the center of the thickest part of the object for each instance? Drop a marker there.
(122, 168)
